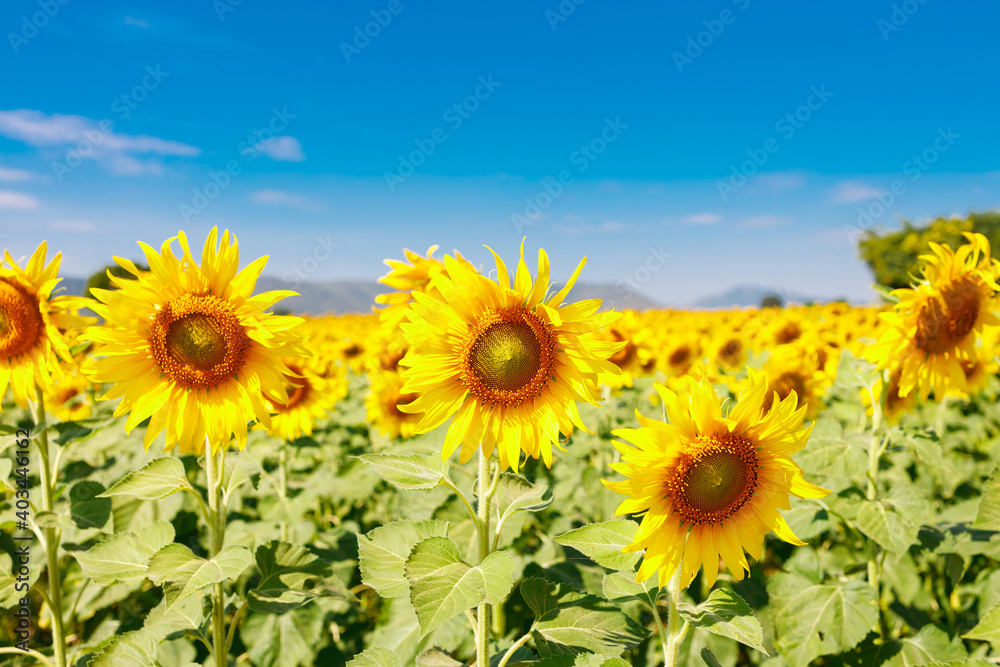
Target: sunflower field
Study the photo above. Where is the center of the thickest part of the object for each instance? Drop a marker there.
(483, 471)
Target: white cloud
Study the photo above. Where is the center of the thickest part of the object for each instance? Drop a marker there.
(849, 192)
(72, 226)
(139, 23)
(705, 218)
(765, 220)
(780, 181)
(8, 174)
(17, 200)
(608, 227)
(281, 197)
(283, 149)
(86, 138)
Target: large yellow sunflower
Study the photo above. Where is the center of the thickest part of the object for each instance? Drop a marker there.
(508, 363)
(36, 328)
(189, 348)
(711, 486)
(312, 393)
(932, 332)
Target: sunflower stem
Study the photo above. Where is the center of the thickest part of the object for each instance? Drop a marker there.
(486, 491)
(283, 485)
(52, 535)
(874, 454)
(675, 632)
(216, 536)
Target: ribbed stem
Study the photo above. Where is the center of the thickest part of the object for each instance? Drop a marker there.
(52, 535)
(675, 631)
(216, 536)
(483, 526)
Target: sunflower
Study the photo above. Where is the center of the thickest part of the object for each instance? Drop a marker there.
(384, 403)
(71, 396)
(796, 369)
(932, 332)
(636, 358)
(508, 363)
(189, 348)
(416, 276)
(312, 393)
(36, 328)
(708, 485)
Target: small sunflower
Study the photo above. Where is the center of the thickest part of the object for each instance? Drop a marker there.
(932, 332)
(384, 405)
(406, 278)
(71, 396)
(36, 328)
(508, 363)
(710, 486)
(312, 393)
(796, 369)
(189, 348)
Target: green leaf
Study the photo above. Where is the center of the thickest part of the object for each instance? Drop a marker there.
(123, 557)
(157, 479)
(435, 657)
(291, 576)
(931, 644)
(988, 627)
(132, 649)
(177, 564)
(375, 656)
(515, 493)
(621, 587)
(988, 516)
(239, 470)
(567, 621)
(603, 543)
(725, 613)
(409, 473)
(709, 658)
(886, 526)
(813, 619)
(87, 508)
(284, 640)
(830, 452)
(443, 586)
(383, 551)
(854, 373)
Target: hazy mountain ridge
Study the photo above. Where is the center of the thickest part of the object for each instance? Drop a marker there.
(358, 296)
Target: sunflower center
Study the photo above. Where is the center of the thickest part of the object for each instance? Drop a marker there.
(21, 324)
(297, 388)
(402, 399)
(508, 356)
(679, 356)
(713, 482)
(944, 321)
(622, 357)
(788, 333)
(784, 385)
(198, 341)
(730, 352)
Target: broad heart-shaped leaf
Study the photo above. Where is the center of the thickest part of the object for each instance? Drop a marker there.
(291, 576)
(240, 469)
(132, 649)
(887, 527)
(157, 479)
(988, 627)
(567, 621)
(87, 508)
(930, 645)
(442, 585)
(375, 656)
(123, 557)
(515, 493)
(831, 452)
(383, 552)
(725, 613)
(621, 587)
(409, 473)
(603, 543)
(435, 657)
(813, 619)
(988, 516)
(285, 640)
(854, 373)
(177, 564)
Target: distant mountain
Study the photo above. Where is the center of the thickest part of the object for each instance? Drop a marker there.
(751, 295)
(358, 296)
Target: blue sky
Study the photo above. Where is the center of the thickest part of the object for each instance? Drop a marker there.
(741, 138)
